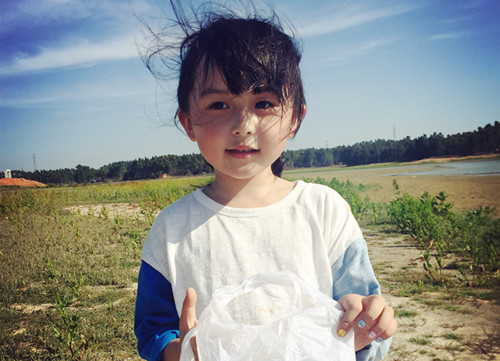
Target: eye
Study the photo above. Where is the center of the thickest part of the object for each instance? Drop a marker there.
(264, 104)
(218, 106)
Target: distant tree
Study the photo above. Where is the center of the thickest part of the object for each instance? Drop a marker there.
(483, 140)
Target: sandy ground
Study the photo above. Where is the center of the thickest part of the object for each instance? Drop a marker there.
(113, 210)
(464, 192)
(461, 328)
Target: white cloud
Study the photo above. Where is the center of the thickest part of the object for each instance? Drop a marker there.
(85, 53)
(119, 88)
(352, 16)
(449, 36)
(30, 13)
(345, 53)
(359, 50)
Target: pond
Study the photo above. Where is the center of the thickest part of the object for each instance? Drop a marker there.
(479, 167)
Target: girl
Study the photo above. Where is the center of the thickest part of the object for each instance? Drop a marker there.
(240, 98)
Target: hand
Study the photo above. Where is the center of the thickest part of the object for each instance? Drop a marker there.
(370, 317)
(187, 321)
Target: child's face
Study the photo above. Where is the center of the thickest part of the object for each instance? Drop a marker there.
(240, 136)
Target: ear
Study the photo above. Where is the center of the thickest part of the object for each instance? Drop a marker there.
(295, 124)
(186, 124)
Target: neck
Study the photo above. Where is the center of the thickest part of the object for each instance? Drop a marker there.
(259, 191)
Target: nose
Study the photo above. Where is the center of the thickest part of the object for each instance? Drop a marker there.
(245, 123)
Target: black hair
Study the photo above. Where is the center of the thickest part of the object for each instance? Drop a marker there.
(250, 52)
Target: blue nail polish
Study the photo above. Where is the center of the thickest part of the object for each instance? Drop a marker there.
(379, 339)
(361, 324)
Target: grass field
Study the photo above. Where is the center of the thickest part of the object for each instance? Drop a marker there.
(70, 258)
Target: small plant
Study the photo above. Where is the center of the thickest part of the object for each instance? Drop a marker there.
(111, 312)
(52, 276)
(134, 242)
(104, 212)
(68, 334)
(119, 221)
(420, 340)
(405, 313)
(451, 336)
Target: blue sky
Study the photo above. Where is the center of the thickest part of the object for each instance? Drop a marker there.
(73, 89)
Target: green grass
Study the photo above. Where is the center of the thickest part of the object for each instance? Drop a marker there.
(62, 270)
(404, 313)
(422, 341)
(451, 336)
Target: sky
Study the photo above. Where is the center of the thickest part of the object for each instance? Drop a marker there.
(74, 89)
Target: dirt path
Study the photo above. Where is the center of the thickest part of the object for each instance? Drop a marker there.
(432, 325)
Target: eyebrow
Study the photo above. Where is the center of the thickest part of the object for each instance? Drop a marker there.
(209, 91)
(264, 89)
(258, 90)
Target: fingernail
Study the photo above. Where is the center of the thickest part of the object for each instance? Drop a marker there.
(342, 332)
(372, 334)
(361, 323)
(379, 339)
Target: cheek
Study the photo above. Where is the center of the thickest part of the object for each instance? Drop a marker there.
(210, 137)
(278, 132)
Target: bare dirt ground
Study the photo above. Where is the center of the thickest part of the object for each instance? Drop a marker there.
(433, 325)
(464, 192)
(20, 182)
(112, 210)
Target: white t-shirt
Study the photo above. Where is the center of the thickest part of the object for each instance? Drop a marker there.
(197, 242)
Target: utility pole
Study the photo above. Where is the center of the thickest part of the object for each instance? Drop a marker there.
(393, 132)
(34, 162)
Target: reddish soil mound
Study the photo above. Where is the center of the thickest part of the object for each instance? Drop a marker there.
(20, 182)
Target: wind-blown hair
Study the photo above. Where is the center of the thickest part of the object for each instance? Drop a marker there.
(250, 52)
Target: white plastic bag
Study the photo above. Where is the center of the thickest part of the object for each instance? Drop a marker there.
(272, 316)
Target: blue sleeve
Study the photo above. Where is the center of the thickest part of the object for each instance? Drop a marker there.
(156, 321)
(353, 273)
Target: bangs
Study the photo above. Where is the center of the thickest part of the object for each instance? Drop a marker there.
(250, 54)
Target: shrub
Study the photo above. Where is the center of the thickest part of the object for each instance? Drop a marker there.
(429, 220)
(479, 245)
(350, 192)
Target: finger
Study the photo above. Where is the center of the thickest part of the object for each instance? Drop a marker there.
(194, 347)
(385, 326)
(188, 318)
(352, 306)
(373, 306)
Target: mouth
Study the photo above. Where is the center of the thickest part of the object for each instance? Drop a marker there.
(242, 151)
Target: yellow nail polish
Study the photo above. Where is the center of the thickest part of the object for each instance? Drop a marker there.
(342, 332)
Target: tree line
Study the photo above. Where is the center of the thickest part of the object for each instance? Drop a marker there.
(483, 140)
